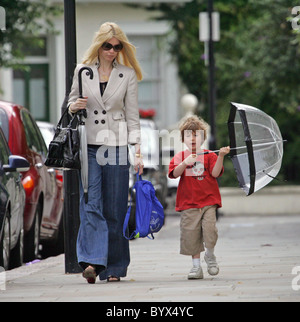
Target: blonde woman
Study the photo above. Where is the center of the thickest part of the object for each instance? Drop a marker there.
(112, 123)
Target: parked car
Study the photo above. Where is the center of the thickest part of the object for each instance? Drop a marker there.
(168, 153)
(44, 200)
(154, 171)
(53, 246)
(48, 130)
(12, 205)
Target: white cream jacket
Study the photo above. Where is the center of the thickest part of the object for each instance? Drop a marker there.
(112, 119)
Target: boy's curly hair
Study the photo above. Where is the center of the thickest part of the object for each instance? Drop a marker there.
(193, 123)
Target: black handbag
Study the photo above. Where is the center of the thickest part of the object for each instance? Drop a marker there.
(63, 152)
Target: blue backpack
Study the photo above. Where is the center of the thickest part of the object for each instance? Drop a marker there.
(149, 213)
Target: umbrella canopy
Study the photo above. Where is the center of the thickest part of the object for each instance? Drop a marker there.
(256, 146)
(82, 134)
(83, 155)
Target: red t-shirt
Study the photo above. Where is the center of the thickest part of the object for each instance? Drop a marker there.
(197, 187)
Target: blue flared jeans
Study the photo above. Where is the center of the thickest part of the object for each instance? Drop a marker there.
(100, 240)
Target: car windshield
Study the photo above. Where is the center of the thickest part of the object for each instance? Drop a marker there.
(4, 123)
(47, 134)
(150, 146)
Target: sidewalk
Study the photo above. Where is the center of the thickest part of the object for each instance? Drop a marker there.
(256, 256)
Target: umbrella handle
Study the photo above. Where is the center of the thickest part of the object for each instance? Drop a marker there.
(82, 113)
(88, 73)
(244, 147)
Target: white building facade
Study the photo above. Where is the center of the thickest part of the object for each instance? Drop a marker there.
(42, 87)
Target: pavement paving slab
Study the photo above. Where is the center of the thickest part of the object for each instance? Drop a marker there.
(259, 259)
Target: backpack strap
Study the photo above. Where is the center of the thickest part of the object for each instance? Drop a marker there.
(138, 177)
(151, 236)
(127, 220)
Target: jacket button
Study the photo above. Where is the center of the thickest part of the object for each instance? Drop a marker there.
(96, 121)
(96, 112)
(121, 75)
(103, 112)
(103, 121)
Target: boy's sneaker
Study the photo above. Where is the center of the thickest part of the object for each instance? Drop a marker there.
(212, 265)
(195, 273)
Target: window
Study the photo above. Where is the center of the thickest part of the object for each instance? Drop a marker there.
(31, 90)
(4, 153)
(33, 135)
(148, 54)
(4, 123)
(31, 81)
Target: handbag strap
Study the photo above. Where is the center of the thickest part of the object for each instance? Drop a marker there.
(59, 124)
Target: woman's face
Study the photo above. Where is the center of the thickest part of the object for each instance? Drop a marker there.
(111, 54)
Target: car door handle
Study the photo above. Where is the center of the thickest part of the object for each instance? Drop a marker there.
(39, 165)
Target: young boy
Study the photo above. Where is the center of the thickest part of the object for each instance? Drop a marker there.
(198, 195)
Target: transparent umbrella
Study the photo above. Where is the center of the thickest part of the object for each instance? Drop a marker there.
(256, 146)
(257, 163)
(82, 133)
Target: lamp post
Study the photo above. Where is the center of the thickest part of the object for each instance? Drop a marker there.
(209, 32)
(71, 179)
(211, 78)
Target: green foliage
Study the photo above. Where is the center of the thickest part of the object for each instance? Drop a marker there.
(26, 21)
(257, 63)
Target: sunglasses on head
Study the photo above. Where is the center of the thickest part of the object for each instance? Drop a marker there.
(107, 46)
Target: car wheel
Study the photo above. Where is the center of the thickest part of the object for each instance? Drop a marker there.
(32, 239)
(17, 254)
(5, 244)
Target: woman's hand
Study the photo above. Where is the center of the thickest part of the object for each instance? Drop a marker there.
(138, 164)
(138, 160)
(80, 104)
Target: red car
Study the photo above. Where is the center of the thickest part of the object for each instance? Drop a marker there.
(44, 190)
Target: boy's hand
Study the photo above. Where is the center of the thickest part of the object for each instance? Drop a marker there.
(223, 151)
(190, 160)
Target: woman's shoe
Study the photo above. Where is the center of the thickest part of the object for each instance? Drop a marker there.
(90, 274)
(113, 279)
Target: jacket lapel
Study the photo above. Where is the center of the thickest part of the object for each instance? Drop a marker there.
(115, 80)
(94, 86)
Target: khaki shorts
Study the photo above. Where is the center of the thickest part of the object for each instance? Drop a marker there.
(198, 229)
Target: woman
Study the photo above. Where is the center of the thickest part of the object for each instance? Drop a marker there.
(112, 123)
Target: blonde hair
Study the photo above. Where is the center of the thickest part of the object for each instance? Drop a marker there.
(127, 56)
(193, 123)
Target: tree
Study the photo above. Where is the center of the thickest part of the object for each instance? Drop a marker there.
(257, 63)
(26, 21)
(265, 73)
